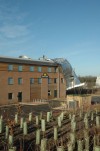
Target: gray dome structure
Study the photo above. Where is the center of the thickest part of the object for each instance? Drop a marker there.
(71, 77)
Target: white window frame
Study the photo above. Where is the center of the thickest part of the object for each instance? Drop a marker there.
(10, 81)
(31, 68)
(39, 80)
(20, 81)
(31, 80)
(10, 67)
(49, 69)
(49, 80)
(39, 69)
(20, 68)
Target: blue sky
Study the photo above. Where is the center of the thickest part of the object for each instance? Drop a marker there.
(55, 28)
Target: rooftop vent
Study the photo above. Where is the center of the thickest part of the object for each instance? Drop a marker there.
(24, 57)
(44, 58)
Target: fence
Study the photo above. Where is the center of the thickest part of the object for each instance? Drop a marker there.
(51, 131)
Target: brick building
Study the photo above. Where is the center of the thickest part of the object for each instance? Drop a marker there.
(23, 80)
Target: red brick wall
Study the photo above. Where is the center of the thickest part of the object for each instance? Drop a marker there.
(29, 92)
(44, 88)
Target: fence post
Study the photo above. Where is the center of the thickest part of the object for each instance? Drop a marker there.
(48, 116)
(10, 140)
(25, 128)
(60, 148)
(12, 149)
(37, 120)
(92, 116)
(16, 118)
(70, 146)
(98, 121)
(72, 138)
(7, 132)
(86, 123)
(86, 133)
(87, 143)
(37, 136)
(41, 115)
(1, 125)
(30, 117)
(73, 126)
(96, 148)
(55, 133)
(80, 145)
(59, 121)
(43, 125)
(43, 144)
(62, 116)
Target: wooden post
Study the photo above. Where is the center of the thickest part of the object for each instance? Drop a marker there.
(43, 125)
(25, 128)
(80, 145)
(37, 136)
(43, 144)
(96, 148)
(30, 117)
(1, 125)
(16, 118)
(60, 148)
(87, 143)
(59, 121)
(98, 121)
(48, 116)
(70, 146)
(55, 133)
(7, 132)
(21, 122)
(10, 140)
(37, 120)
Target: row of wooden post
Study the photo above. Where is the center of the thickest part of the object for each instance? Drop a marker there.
(72, 117)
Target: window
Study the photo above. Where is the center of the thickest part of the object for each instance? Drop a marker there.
(20, 68)
(31, 68)
(55, 93)
(49, 92)
(39, 80)
(10, 96)
(49, 69)
(39, 69)
(72, 104)
(49, 81)
(10, 67)
(55, 69)
(31, 80)
(20, 80)
(62, 80)
(19, 96)
(55, 80)
(10, 80)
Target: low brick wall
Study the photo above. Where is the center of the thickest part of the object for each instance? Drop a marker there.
(82, 100)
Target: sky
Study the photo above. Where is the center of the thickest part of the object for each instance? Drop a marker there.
(55, 28)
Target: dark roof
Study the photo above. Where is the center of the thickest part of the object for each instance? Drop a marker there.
(27, 61)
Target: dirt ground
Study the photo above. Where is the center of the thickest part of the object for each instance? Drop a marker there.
(8, 112)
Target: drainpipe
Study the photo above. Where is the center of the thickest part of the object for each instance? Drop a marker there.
(58, 83)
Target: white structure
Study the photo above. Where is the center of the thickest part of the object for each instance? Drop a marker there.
(69, 73)
(98, 81)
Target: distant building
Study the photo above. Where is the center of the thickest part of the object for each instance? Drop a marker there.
(98, 81)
